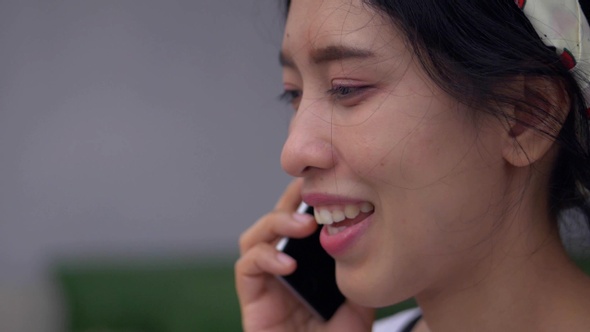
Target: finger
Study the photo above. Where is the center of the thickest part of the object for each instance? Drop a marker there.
(291, 197)
(276, 225)
(253, 269)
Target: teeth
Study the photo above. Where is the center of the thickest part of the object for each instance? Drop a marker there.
(367, 207)
(338, 215)
(325, 217)
(335, 230)
(351, 211)
(318, 216)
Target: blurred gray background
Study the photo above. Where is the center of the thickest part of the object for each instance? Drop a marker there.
(130, 129)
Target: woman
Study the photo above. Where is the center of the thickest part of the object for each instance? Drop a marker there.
(460, 128)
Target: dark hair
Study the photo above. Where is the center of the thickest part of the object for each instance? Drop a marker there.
(473, 49)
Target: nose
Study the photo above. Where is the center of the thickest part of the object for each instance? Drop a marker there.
(309, 145)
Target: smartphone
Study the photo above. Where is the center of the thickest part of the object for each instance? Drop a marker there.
(314, 280)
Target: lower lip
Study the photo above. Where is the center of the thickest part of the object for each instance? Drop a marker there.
(338, 244)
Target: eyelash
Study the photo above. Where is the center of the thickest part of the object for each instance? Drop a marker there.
(338, 92)
(290, 96)
(345, 91)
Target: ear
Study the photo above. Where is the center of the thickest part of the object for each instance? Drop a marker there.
(534, 123)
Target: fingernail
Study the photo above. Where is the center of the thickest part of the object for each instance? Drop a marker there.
(302, 217)
(285, 259)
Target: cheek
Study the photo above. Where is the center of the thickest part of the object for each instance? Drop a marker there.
(445, 176)
(411, 159)
(407, 148)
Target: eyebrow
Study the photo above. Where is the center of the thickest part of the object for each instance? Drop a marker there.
(329, 54)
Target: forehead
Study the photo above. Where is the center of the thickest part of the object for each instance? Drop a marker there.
(313, 24)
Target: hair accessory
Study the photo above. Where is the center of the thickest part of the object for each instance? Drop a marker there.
(563, 25)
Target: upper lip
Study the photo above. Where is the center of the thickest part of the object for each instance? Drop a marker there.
(317, 199)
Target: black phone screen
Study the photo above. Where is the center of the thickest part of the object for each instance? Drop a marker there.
(314, 280)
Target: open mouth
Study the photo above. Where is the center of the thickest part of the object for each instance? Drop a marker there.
(337, 218)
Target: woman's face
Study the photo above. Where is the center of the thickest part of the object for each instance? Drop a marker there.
(371, 130)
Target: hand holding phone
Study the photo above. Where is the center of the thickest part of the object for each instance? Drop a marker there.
(264, 303)
(314, 280)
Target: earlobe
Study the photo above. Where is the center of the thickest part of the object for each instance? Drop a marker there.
(535, 122)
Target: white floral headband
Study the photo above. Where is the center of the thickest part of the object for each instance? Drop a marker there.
(563, 25)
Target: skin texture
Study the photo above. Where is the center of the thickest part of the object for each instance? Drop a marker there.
(461, 220)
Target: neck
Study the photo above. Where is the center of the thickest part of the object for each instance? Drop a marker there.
(525, 282)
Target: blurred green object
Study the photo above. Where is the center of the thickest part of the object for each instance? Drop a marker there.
(168, 297)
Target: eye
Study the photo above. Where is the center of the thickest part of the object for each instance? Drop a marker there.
(291, 97)
(346, 91)
(341, 91)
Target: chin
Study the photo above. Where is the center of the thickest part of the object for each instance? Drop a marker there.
(370, 292)
(371, 297)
